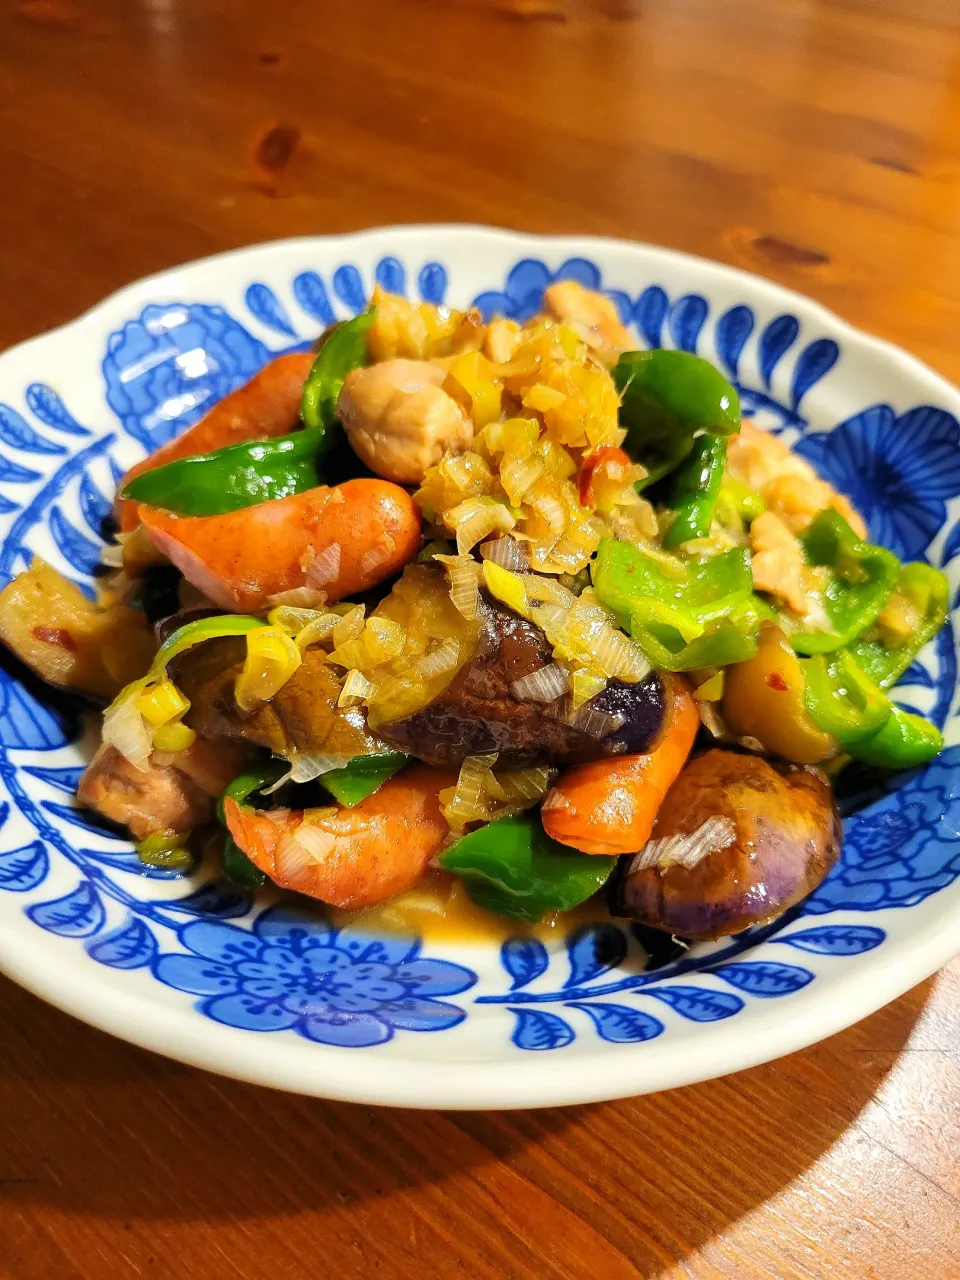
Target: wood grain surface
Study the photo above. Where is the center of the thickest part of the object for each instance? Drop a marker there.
(813, 141)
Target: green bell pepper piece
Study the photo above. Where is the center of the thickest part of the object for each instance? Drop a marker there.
(512, 867)
(696, 488)
(240, 475)
(862, 580)
(841, 700)
(362, 776)
(683, 614)
(236, 865)
(666, 399)
(345, 349)
(927, 591)
(905, 742)
(244, 475)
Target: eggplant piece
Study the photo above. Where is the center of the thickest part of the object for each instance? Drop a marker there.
(303, 716)
(476, 713)
(737, 841)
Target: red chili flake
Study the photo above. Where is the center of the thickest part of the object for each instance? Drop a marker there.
(603, 457)
(776, 681)
(55, 635)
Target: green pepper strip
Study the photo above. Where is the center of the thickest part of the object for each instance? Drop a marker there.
(512, 867)
(239, 475)
(244, 475)
(862, 580)
(905, 742)
(362, 776)
(841, 700)
(683, 614)
(345, 349)
(928, 591)
(666, 399)
(696, 490)
(236, 865)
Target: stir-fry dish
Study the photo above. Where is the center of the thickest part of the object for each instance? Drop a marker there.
(514, 607)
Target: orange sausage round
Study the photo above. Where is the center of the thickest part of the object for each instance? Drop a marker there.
(609, 806)
(266, 406)
(377, 849)
(364, 530)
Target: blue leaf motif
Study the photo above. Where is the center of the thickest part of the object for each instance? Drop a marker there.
(432, 283)
(619, 1024)
(131, 947)
(6, 506)
(18, 434)
(215, 898)
(814, 364)
(594, 950)
(764, 978)
(650, 313)
(23, 869)
(126, 859)
(391, 276)
(917, 673)
(348, 286)
(74, 546)
(687, 317)
(312, 297)
(269, 310)
(777, 338)
(25, 722)
(77, 915)
(44, 403)
(64, 779)
(733, 329)
(94, 505)
(83, 819)
(582, 270)
(13, 473)
(836, 939)
(951, 545)
(538, 1030)
(623, 302)
(524, 959)
(699, 1004)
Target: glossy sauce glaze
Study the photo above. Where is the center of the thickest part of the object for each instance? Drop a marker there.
(439, 909)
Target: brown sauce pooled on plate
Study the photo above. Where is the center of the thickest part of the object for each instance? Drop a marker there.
(438, 909)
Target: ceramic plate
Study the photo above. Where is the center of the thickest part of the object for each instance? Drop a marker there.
(261, 989)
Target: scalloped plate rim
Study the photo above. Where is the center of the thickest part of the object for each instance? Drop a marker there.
(802, 302)
(325, 1071)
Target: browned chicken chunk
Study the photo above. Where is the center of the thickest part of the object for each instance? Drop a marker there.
(174, 793)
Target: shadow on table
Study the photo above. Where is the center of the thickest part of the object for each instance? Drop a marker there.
(91, 1126)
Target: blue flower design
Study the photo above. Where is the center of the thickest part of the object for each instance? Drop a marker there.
(167, 367)
(522, 293)
(291, 970)
(901, 849)
(899, 471)
(294, 971)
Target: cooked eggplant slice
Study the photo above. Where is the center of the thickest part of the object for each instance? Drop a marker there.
(737, 841)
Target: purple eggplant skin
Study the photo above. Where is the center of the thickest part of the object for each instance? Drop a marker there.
(476, 714)
(778, 837)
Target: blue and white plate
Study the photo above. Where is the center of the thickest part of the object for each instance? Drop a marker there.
(263, 989)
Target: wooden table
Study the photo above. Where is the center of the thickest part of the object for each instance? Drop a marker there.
(814, 141)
